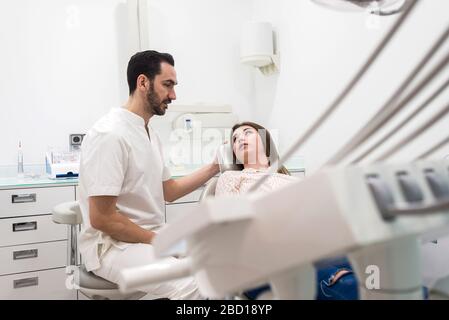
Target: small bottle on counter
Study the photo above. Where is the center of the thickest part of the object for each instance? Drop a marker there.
(20, 173)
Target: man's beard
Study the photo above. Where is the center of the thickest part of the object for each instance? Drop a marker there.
(154, 105)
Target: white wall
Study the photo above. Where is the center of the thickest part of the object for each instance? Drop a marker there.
(320, 51)
(62, 67)
(204, 38)
(63, 63)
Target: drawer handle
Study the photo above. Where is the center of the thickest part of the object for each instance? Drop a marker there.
(24, 226)
(25, 254)
(23, 198)
(27, 282)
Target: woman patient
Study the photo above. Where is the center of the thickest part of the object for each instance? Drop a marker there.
(254, 151)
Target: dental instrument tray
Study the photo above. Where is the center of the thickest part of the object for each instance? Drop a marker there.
(62, 165)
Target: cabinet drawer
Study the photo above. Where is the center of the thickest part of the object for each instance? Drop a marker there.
(16, 231)
(299, 174)
(33, 201)
(175, 211)
(191, 197)
(42, 285)
(33, 257)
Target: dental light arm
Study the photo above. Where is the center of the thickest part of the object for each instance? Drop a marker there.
(342, 96)
(420, 130)
(433, 149)
(393, 107)
(387, 113)
(403, 123)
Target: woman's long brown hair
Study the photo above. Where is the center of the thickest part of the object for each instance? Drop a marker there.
(268, 144)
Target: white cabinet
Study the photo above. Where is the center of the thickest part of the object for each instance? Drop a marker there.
(191, 197)
(177, 210)
(182, 206)
(32, 201)
(40, 285)
(298, 173)
(33, 249)
(16, 231)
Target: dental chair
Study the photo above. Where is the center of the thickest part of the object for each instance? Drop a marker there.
(209, 192)
(209, 189)
(86, 282)
(346, 289)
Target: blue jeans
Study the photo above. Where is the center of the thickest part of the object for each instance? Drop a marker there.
(344, 288)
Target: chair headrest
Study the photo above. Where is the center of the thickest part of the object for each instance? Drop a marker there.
(209, 189)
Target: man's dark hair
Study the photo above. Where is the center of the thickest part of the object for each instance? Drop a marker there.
(147, 63)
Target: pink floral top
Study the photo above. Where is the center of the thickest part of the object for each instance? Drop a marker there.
(239, 182)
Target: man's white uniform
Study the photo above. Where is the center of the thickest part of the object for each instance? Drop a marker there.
(119, 158)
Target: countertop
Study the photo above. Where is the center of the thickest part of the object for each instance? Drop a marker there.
(40, 180)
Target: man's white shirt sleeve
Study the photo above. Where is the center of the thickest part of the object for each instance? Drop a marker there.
(105, 161)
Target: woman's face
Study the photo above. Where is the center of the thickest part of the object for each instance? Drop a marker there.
(248, 146)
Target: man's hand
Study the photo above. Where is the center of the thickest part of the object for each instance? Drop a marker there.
(219, 157)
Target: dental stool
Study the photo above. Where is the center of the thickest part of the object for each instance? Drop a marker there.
(88, 283)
